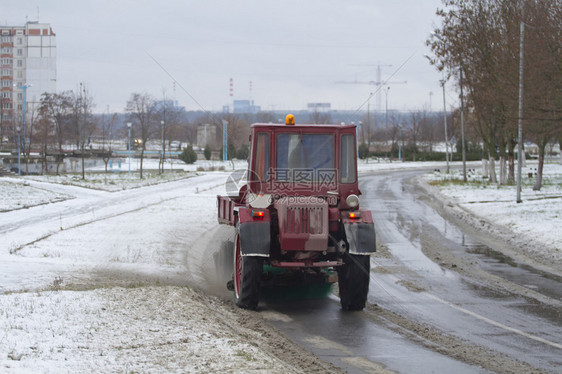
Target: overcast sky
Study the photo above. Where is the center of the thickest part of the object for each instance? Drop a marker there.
(293, 51)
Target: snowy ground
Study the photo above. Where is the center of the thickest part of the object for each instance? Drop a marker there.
(107, 277)
(18, 194)
(107, 280)
(532, 226)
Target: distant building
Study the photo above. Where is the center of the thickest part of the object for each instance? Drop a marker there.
(206, 135)
(245, 106)
(319, 107)
(28, 64)
(173, 104)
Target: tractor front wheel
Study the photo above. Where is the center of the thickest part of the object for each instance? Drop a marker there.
(353, 279)
(247, 278)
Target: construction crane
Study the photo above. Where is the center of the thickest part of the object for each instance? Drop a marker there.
(377, 83)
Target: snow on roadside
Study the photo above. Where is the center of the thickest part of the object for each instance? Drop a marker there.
(112, 182)
(133, 228)
(172, 165)
(20, 195)
(149, 329)
(133, 312)
(534, 223)
(370, 165)
(120, 179)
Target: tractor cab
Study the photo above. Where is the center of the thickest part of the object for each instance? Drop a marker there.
(304, 160)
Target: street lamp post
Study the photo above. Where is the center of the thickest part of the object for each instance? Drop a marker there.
(224, 140)
(358, 131)
(386, 106)
(445, 125)
(162, 154)
(399, 145)
(24, 87)
(18, 129)
(129, 124)
(356, 138)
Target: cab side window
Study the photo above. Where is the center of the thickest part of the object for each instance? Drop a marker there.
(262, 156)
(347, 159)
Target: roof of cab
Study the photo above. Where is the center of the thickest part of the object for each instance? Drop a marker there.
(301, 126)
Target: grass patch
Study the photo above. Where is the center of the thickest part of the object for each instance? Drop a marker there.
(245, 355)
(459, 182)
(112, 182)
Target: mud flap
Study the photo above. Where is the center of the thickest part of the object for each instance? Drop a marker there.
(360, 238)
(255, 238)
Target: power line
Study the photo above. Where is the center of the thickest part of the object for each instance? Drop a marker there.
(383, 84)
(210, 114)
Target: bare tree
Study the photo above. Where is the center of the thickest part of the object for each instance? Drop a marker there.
(318, 117)
(417, 120)
(33, 111)
(141, 108)
(427, 129)
(56, 109)
(170, 117)
(238, 132)
(107, 123)
(544, 96)
(83, 121)
(480, 38)
(265, 117)
(45, 132)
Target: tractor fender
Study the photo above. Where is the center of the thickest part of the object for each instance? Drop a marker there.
(360, 234)
(254, 233)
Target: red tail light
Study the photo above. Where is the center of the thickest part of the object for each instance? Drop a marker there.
(258, 213)
(354, 215)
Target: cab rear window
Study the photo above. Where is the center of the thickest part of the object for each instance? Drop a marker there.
(305, 151)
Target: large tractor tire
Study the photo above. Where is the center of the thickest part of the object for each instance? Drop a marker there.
(247, 278)
(353, 279)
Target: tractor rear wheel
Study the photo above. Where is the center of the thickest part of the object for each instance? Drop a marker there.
(353, 280)
(247, 277)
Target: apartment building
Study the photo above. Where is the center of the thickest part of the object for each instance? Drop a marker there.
(27, 70)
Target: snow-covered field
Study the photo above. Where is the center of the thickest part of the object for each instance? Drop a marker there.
(101, 281)
(18, 194)
(532, 225)
(105, 276)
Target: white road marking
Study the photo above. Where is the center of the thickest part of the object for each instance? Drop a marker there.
(494, 323)
(485, 319)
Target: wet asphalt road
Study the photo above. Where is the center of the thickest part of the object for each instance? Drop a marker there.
(428, 317)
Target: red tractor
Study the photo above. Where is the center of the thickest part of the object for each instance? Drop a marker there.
(297, 215)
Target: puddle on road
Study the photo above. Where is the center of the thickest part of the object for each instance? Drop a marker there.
(410, 216)
(506, 267)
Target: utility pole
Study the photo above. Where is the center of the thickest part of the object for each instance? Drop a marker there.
(82, 135)
(445, 124)
(377, 83)
(462, 128)
(520, 119)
